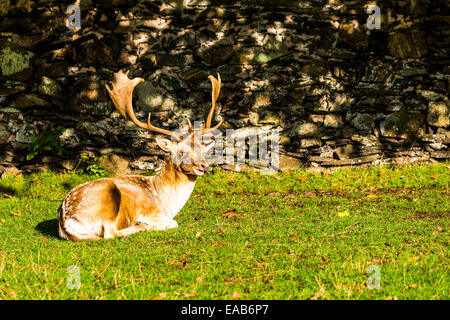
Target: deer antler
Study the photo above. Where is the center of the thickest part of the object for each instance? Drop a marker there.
(214, 95)
(122, 97)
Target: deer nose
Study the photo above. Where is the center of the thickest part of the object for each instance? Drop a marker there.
(205, 167)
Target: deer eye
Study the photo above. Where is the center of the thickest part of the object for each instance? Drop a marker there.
(181, 154)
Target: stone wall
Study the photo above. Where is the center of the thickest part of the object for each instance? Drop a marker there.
(339, 93)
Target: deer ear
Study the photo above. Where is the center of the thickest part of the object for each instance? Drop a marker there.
(165, 144)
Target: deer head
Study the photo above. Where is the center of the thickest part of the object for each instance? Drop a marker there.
(187, 152)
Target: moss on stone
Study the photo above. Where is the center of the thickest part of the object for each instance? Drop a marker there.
(20, 5)
(13, 61)
(403, 124)
(438, 114)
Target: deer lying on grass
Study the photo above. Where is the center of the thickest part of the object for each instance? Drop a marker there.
(123, 205)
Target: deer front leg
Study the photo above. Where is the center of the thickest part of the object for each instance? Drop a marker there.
(159, 224)
(155, 225)
(137, 227)
(166, 224)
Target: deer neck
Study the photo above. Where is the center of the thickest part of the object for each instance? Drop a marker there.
(174, 186)
(172, 176)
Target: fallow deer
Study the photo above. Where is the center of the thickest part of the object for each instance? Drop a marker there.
(124, 205)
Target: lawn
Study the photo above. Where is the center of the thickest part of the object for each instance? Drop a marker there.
(293, 235)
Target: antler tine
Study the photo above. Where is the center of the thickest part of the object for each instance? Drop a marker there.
(190, 127)
(217, 125)
(122, 96)
(216, 83)
(151, 127)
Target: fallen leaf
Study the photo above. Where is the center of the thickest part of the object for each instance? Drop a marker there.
(44, 240)
(187, 295)
(18, 213)
(391, 298)
(318, 294)
(412, 259)
(376, 261)
(12, 293)
(249, 245)
(139, 279)
(410, 286)
(198, 196)
(233, 280)
(372, 196)
(218, 244)
(198, 234)
(183, 262)
(235, 295)
(302, 178)
(2, 220)
(262, 264)
(200, 279)
(343, 213)
(435, 176)
(341, 286)
(103, 267)
(162, 295)
(229, 212)
(274, 194)
(408, 244)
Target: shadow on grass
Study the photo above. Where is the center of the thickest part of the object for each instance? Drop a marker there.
(8, 191)
(48, 228)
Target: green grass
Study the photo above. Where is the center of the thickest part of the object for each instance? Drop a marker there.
(295, 235)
